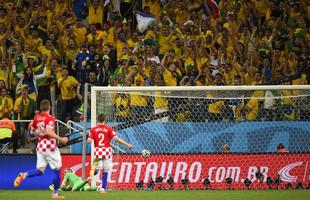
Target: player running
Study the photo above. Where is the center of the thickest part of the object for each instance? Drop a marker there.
(72, 182)
(47, 151)
(102, 135)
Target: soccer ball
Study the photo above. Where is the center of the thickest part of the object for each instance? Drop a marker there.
(145, 153)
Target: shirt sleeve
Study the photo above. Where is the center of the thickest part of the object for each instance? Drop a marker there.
(13, 127)
(51, 123)
(74, 81)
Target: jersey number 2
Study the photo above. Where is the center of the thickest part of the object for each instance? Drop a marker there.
(101, 137)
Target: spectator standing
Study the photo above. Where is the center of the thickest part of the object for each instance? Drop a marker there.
(95, 11)
(104, 72)
(6, 103)
(40, 75)
(24, 109)
(4, 73)
(67, 85)
(31, 81)
(80, 61)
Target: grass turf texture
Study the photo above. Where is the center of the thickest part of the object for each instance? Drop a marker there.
(160, 195)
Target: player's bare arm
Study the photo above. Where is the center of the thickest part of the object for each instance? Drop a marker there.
(89, 140)
(52, 134)
(119, 140)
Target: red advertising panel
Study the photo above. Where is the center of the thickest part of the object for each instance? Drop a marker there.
(127, 170)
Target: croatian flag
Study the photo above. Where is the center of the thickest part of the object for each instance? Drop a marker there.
(144, 20)
(215, 7)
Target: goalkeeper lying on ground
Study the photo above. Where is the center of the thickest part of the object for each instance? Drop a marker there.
(73, 182)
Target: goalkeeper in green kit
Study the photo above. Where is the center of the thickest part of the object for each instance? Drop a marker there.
(73, 182)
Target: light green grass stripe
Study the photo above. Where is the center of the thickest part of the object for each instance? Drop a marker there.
(161, 195)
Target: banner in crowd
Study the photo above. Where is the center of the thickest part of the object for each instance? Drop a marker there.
(127, 170)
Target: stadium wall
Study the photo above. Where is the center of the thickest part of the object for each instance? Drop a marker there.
(247, 137)
(129, 169)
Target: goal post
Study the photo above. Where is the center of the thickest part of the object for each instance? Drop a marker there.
(205, 136)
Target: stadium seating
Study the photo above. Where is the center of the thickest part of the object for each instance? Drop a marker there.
(52, 48)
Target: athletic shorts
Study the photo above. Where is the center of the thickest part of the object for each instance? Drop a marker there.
(53, 159)
(104, 164)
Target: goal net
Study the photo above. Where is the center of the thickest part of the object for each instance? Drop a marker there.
(208, 137)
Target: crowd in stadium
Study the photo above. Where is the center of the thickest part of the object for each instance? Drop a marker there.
(51, 48)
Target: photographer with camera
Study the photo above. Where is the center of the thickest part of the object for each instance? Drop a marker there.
(170, 181)
(185, 182)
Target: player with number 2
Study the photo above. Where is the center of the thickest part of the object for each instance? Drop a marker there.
(102, 135)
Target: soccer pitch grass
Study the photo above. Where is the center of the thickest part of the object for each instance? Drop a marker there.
(160, 195)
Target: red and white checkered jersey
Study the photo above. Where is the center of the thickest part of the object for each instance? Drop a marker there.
(40, 123)
(102, 136)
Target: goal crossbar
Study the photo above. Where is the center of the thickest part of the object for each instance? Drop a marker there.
(201, 88)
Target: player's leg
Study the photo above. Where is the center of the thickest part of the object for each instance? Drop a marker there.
(107, 163)
(79, 185)
(62, 187)
(41, 165)
(94, 167)
(54, 161)
(87, 187)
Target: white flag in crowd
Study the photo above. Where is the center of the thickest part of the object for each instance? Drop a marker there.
(144, 20)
